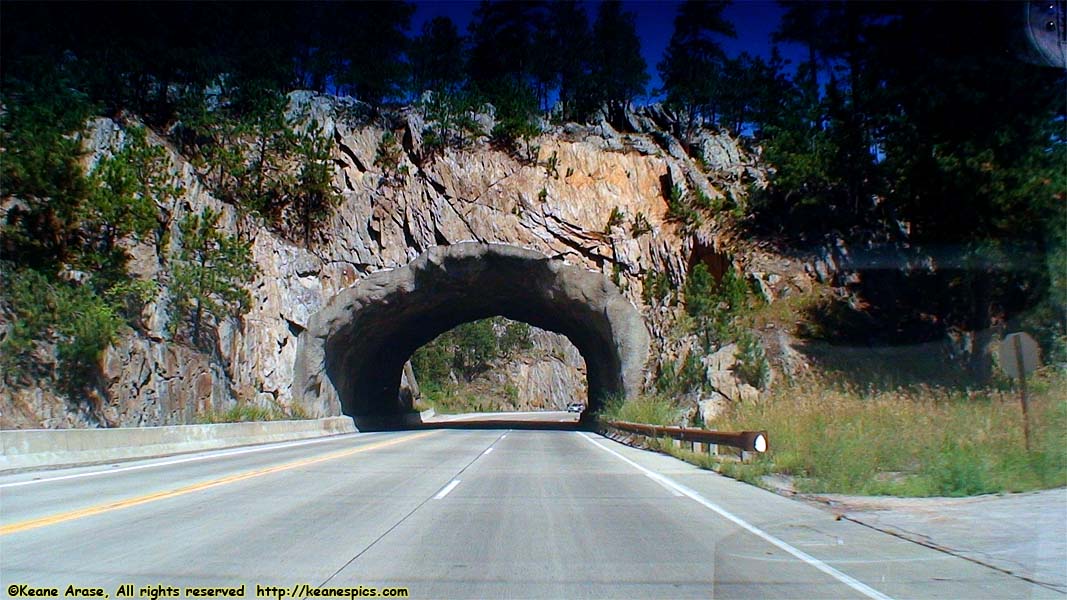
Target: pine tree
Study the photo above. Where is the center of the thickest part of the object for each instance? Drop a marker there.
(209, 274)
(565, 44)
(618, 71)
(437, 58)
(692, 66)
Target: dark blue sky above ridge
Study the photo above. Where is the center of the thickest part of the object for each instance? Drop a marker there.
(754, 20)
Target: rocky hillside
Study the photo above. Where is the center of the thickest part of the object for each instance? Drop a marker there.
(622, 197)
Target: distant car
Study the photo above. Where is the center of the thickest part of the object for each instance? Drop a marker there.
(575, 407)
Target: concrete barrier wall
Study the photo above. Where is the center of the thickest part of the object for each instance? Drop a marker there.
(35, 448)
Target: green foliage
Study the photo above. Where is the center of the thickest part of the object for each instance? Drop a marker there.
(39, 129)
(243, 413)
(77, 229)
(516, 117)
(209, 274)
(256, 159)
(469, 350)
(649, 409)
(856, 149)
(475, 344)
(552, 165)
(81, 323)
(247, 150)
(716, 306)
(693, 62)
(909, 440)
(685, 376)
(640, 225)
(437, 60)
(615, 219)
(125, 192)
(680, 209)
(703, 203)
(752, 366)
(389, 159)
(617, 71)
(450, 120)
(514, 338)
(657, 287)
(312, 193)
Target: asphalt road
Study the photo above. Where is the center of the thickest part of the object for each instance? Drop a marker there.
(456, 513)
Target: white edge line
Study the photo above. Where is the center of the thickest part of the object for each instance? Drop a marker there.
(448, 488)
(487, 451)
(670, 489)
(851, 582)
(221, 453)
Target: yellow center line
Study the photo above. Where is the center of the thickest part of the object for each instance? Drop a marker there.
(196, 487)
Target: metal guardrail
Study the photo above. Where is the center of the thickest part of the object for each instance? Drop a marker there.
(747, 441)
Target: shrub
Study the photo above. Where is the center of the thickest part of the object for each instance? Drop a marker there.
(640, 225)
(680, 210)
(449, 120)
(685, 376)
(656, 286)
(552, 166)
(716, 307)
(388, 158)
(83, 323)
(616, 218)
(752, 365)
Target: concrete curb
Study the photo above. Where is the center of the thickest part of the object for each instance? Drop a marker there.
(49, 448)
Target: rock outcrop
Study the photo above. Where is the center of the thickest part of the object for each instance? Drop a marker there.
(559, 205)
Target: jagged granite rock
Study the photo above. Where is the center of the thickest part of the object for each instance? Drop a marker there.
(383, 222)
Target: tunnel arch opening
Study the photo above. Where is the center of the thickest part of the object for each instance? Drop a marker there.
(351, 357)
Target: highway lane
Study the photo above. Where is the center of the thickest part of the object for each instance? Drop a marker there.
(458, 513)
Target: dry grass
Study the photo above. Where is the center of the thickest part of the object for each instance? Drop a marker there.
(912, 441)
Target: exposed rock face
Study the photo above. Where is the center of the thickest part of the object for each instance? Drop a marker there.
(352, 354)
(725, 389)
(557, 206)
(549, 377)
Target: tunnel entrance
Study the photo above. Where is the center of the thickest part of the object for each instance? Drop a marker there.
(351, 357)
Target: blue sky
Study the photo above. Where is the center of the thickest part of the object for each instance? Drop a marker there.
(754, 20)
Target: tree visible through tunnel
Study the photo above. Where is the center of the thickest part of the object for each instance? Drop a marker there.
(497, 365)
(352, 355)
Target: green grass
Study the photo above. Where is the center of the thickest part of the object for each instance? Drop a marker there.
(242, 413)
(913, 441)
(649, 408)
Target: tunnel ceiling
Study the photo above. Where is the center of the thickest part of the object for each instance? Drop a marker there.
(350, 358)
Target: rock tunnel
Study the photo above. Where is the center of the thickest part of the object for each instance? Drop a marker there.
(352, 354)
